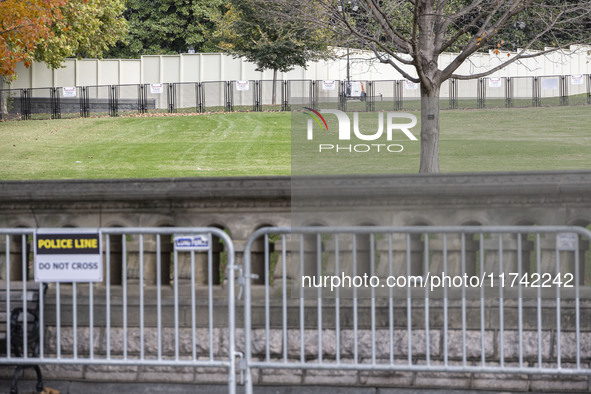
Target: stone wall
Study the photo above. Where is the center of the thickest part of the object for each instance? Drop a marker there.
(242, 205)
(449, 380)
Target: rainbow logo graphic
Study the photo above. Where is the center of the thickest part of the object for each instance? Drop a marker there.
(316, 118)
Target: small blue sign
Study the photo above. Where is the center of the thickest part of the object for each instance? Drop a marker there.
(567, 241)
(192, 242)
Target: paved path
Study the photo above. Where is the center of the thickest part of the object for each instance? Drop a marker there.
(26, 387)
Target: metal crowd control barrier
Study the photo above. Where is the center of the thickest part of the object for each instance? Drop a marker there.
(520, 306)
(532, 322)
(155, 306)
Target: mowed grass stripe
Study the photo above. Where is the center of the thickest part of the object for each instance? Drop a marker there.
(179, 146)
(249, 144)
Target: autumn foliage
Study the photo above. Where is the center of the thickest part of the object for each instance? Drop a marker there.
(23, 24)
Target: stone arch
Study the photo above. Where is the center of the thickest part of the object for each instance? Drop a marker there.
(20, 247)
(364, 247)
(580, 222)
(518, 247)
(116, 222)
(113, 256)
(261, 224)
(219, 258)
(150, 254)
(313, 247)
(584, 253)
(474, 260)
(400, 244)
(166, 254)
(222, 226)
(419, 221)
(262, 253)
(471, 222)
(315, 223)
(24, 222)
(525, 221)
(164, 222)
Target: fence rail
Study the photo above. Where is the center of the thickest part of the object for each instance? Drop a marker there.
(280, 95)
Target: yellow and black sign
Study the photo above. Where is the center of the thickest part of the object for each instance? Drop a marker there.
(68, 257)
(67, 243)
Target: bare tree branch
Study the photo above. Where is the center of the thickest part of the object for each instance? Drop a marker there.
(383, 20)
(484, 35)
(446, 45)
(458, 15)
(385, 60)
(521, 55)
(424, 29)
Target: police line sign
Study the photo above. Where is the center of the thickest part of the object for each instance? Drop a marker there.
(68, 257)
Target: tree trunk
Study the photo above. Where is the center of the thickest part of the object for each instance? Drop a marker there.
(429, 129)
(274, 100)
(3, 102)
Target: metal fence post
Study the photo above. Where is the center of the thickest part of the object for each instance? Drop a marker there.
(481, 93)
(84, 101)
(257, 97)
(453, 93)
(55, 103)
(313, 95)
(25, 99)
(563, 90)
(343, 95)
(285, 93)
(199, 99)
(370, 103)
(142, 99)
(171, 96)
(229, 96)
(509, 92)
(398, 95)
(113, 100)
(536, 92)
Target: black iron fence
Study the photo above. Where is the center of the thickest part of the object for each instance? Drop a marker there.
(280, 95)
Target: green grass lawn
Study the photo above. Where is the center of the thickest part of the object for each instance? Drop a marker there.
(138, 147)
(238, 144)
(520, 139)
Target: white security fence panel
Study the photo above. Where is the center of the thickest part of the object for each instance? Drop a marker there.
(201, 67)
(466, 299)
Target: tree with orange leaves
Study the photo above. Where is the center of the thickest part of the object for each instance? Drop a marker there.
(51, 30)
(24, 24)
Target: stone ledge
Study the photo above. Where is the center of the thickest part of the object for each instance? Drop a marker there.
(145, 189)
(464, 184)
